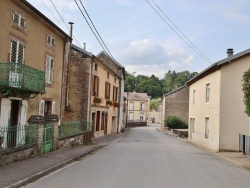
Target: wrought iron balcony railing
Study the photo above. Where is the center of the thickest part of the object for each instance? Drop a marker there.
(17, 76)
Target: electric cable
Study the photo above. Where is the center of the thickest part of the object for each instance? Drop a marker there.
(197, 52)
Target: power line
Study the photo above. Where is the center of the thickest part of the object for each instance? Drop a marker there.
(95, 29)
(61, 19)
(181, 32)
(90, 26)
(185, 39)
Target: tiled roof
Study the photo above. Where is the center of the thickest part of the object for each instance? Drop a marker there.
(133, 96)
(216, 65)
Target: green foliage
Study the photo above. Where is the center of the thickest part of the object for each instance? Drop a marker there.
(154, 103)
(175, 123)
(155, 87)
(246, 90)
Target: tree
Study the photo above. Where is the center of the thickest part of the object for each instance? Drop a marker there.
(246, 90)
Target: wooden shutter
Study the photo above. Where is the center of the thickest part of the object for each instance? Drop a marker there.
(98, 82)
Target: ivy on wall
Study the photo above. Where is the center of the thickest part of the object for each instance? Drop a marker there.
(246, 90)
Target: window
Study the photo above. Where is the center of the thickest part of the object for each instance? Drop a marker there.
(141, 117)
(131, 116)
(49, 70)
(95, 86)
(192, 123)
(107, 75)
(107, 90)
(46, 108)
(115, 93)
(207, 127)
(142, 105)
(115, 80)
(17, 51)
(193, 97)
(207, 92)
(18, 20)
(131, 106)
(96, 67)
(51, 40)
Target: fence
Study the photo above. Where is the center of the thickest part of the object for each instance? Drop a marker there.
(244, 144)
(74, 128)
(12, 137)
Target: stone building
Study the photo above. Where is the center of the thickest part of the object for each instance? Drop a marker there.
(176, 103)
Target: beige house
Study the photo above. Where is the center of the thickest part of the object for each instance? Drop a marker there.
(138, 107)
(32, 57)
(107, 95)
(216, 108)
(31, 62)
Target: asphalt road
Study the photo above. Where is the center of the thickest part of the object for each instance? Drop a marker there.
(147, 158)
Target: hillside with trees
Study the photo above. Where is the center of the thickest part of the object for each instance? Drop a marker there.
(156, 87)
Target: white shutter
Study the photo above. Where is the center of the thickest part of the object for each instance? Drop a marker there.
(13, 51)
(22, 121)
(53, 111)
(47, 70)
(41, 108)
(51, 70)
(15, 18)
(5, 117)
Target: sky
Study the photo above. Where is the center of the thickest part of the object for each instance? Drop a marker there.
(140, 40)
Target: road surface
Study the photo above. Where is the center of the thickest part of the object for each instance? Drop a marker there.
(147, 158)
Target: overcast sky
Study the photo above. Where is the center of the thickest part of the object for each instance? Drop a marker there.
(143, 43)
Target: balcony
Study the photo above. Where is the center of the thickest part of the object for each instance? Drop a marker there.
(20, 78)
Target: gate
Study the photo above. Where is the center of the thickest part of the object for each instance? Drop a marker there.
(47, 139)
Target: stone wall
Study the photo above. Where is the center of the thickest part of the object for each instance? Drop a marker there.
(79, 90)
(84, 138)
(9, 157)
(177, 104)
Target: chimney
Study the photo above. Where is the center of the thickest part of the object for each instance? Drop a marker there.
(84, 46)
(230, 52)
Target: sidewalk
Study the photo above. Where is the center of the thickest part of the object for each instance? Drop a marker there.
(236, 158)
(23, 172)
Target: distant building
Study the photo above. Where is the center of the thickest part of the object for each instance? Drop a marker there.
(138, 105)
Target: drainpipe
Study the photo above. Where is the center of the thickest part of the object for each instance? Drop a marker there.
(90, 92)
(68, 67)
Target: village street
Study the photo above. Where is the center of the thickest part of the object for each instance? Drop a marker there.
(148, 158)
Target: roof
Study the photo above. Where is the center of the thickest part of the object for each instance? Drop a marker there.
(178, 89)
(82, 50)
(133, 96)
(44, 17)
(217, 65)
(103, 52)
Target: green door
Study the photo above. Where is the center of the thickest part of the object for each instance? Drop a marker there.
(47, 139)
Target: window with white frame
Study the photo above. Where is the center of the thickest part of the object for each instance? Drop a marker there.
(17, 51)
(207, 92)
(51, 40)
(142, 106)
(194, 96)
(18, 20)
(207, 127)
(49, 70)
(141, 117)
(131, 106)
(46, 108)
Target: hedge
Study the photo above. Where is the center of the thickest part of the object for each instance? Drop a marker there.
(175, 123)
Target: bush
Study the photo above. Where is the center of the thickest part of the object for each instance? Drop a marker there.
(175, 123)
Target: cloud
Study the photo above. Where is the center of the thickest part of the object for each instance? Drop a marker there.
(147, 57)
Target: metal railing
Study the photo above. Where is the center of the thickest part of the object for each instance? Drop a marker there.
(22, 77)
(12, 137)
(68, 129)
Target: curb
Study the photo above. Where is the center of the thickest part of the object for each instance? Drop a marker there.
(61, 165)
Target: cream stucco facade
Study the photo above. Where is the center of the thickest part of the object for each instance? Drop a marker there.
(216, 108)
(26, 39)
